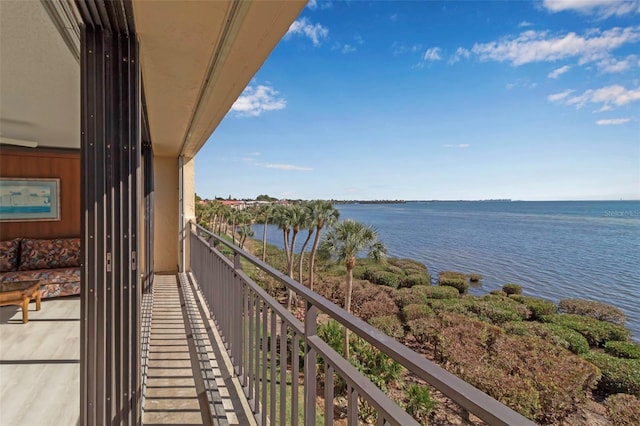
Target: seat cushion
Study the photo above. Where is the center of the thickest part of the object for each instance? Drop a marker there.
(46, 276)
(9, 255)
(49, 254)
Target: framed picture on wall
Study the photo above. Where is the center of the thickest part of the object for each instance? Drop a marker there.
(29, 199)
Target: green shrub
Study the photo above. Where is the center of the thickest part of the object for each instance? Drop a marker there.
(360, 272)
(595, 331)
(460, 305)
(623, 349)
(540, 380)
(415, 311)
(538, 307)
(409, 266)
(437, 292)
(570, 339)
(461, 284)
(375, 365)
(333, 335)
(619, 375)
(408, 296)
(419, 403)
(552, 333)
(386, 278)
(415, 279)
(512, 288)
(499, 310)
(590, 308)
(497, 293)
(389, 325)
(474, 278)
(422, 294)
(423, 329)
(623, 409)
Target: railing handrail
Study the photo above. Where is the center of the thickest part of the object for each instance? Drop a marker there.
(462, 393)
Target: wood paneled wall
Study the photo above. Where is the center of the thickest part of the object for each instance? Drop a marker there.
(45, 163)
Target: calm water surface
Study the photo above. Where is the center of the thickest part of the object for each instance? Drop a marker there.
(555, 250)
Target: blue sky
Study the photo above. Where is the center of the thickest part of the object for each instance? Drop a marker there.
(439, 100)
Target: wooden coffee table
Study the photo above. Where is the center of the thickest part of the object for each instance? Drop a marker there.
(20, 293)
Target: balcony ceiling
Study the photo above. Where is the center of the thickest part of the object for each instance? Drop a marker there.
(196, 58)
(39, 78)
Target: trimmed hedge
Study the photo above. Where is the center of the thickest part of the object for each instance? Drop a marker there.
(619, 375)
(474, 278)
(569, 338)
(415, 279)
(498, 310)
(540, 380)
(422, 294)
(623, 409)
(552, 333)
(512, 288)
(436, 292)
(538, 307)
(386, 278)
(595, 331)
(415, 311)
(462, 285)
(423, 329)
(590, 308)
(389, 325)
(623, 349)
(409, 266)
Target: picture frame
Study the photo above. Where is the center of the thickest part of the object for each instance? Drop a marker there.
(29, 199)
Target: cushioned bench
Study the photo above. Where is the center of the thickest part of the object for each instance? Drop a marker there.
(55, 262)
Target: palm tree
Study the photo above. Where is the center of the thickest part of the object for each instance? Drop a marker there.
(244, 231)
(243, 218)
(264, 214)
(323, 214)
(344, 241)
(297, 219)
(310, 225)
(282, 219)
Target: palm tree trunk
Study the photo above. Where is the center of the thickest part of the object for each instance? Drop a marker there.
(233, 231)
(347, 307)
(292, 255)
(304, 246)
(264, 240)
(312, 256)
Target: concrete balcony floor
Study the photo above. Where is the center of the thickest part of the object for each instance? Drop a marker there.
(40, 365)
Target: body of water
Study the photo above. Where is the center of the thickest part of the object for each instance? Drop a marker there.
(555, 249)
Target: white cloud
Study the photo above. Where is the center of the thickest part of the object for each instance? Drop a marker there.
(608, 97)
(613, 65)
(559, 96)
(315, 32)
(539, 46)
(432, 54)
(285, 167)
(461, 52)
(613, 121)
(601, 8)
(460, 145)
(312, 4)
(394, 17)
(525, 24)
(255, 100)
(558, 71)
(347, 48)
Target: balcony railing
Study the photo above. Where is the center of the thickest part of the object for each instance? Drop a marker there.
(268, 345)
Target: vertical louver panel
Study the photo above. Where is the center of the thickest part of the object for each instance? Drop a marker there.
(111, 294)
